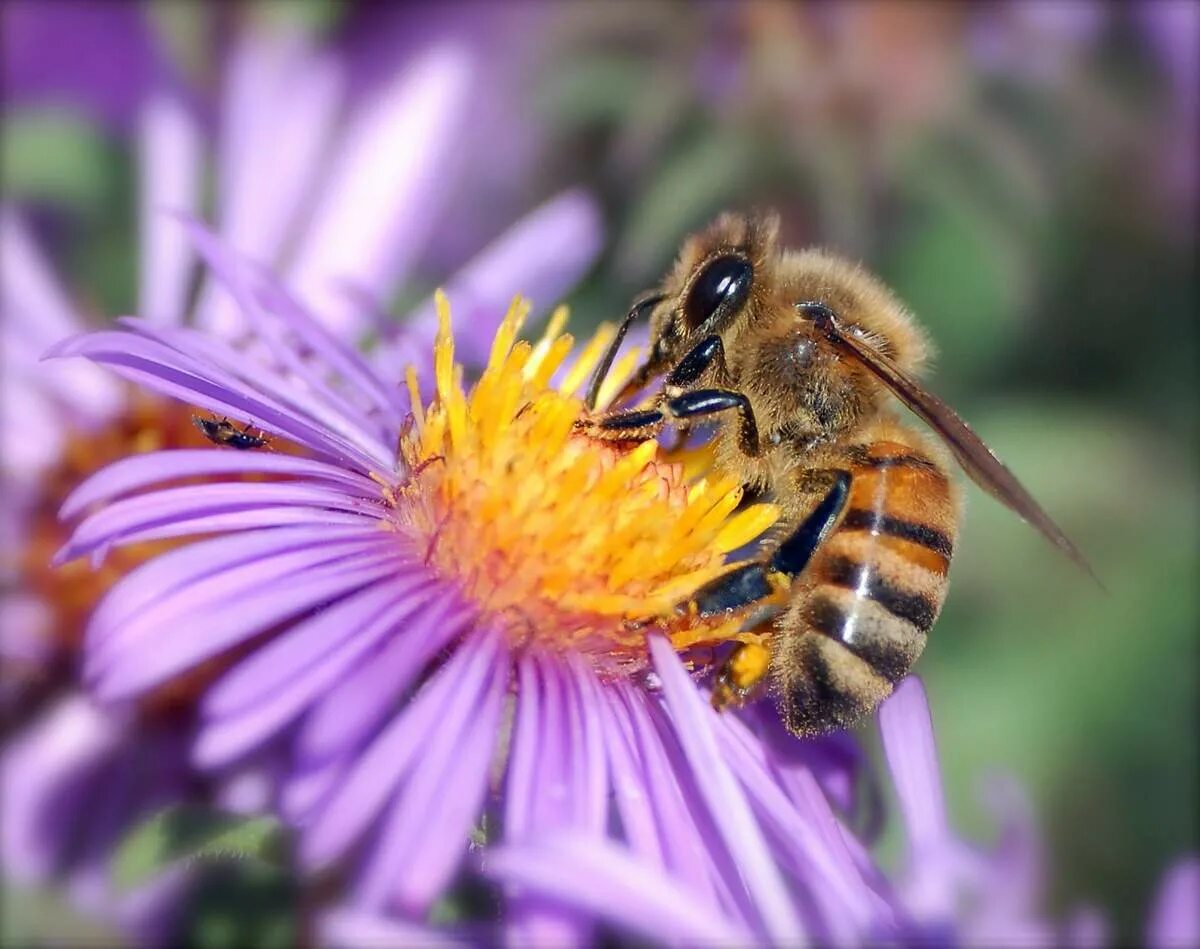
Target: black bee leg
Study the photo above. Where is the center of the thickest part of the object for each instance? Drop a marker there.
(708, 352)
(704, 402)
(797, 549)
(752, 582)
(635, 425)
(636, 312)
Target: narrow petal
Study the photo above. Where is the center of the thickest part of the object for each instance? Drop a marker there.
(44, 772)
(606, 881)
(814, 840)
(228, 624)
(365, 790)
(354, 929)
(265, 694)
(270, 150)
(220, 560)
(516, 262)
(629, 789)
(679, 818)
(36, 312)
(169, 155)
(140, 471)
(907, 731)
(310, 643)
(344, 719)
(300, 374)
(693, 720)
(540, 798)
(377, 206)
(1175, 919)
(169, 373)
(140, 613)
(190, 508)
(450, 784)
(908, 744)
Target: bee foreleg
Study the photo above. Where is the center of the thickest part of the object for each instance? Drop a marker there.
(635, 425)
(708, 352)
(705, 402)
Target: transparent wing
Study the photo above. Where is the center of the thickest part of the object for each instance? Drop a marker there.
(977, 460)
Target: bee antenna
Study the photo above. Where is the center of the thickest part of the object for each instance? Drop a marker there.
(636, 312)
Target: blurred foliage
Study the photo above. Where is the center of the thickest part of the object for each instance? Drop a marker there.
(187, 833)
(1012, 171)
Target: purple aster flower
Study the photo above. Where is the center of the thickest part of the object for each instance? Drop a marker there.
(61, 423)
(435, 618)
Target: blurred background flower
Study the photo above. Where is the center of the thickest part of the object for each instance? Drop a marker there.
(290, 141)
(1024, 174)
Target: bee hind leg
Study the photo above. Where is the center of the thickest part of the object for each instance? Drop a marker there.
(745, 669)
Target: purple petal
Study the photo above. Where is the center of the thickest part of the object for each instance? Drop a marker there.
(169, 154)
(442, 802)
(270, 151)
(140, 471)
(196, 508)
(307, 786)
(354, 929)
(378, 205)
(226, 624)
(629, 788)
(223, 561)
(907, 731)
(815, 835)
(304, 379)
(1175, 919)
(518, 262)
(590, 794)
(681, 820)
(365, 790)
(44, 774)
(265, 693)
(540, 793)
(596, 876)
(168, 372)
(356, 706)
(310, 643)
(99, 59)
(305, 392)
(694, 721)
(37, 313)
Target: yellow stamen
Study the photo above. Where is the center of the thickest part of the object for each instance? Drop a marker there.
(562, 539)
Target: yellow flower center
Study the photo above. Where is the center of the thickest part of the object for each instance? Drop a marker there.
(567, 541)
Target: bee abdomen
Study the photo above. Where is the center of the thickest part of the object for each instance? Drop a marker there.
(871, 593)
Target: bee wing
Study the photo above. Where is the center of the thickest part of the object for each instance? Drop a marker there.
(976, 459)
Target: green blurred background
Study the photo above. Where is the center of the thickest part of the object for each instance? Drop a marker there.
(1025, 177)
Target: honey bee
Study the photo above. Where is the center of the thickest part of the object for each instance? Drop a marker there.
(224, 432)
(794, 357)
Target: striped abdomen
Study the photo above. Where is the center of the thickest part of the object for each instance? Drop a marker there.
(872, 591)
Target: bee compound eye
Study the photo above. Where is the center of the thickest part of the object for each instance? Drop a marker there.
(722, 286)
